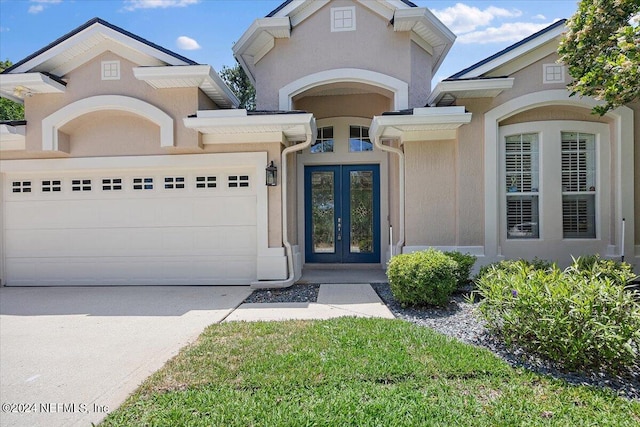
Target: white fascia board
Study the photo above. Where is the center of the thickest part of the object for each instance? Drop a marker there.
(391, 126)
(298, 15)
(457, 86)
(16, 86)
(12, 137)
(38, 82)
(382, 8)
(201, 74)
(407, 19)
(291, 7)
(273, 26)
(245, 49)
(514, 53)
(106, 32)
(241, 120)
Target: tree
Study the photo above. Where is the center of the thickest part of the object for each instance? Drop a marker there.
(9, 110)
(602, 51)
(239, 82)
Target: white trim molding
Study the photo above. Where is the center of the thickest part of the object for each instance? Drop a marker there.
(621, 163)
(399, 88)
(52, 124)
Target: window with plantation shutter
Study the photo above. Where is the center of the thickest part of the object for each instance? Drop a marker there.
(578, 185)
(522, 177)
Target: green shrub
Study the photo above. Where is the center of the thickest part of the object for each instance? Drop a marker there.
(465, 264)
(425, 277)
(594, 266)
(506, 265)
(579, 320)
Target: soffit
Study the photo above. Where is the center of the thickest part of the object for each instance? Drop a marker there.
(231, 124)
(91, 40)
(17, 87)
(200, 76)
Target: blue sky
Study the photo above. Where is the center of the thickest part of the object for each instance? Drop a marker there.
(205, 30)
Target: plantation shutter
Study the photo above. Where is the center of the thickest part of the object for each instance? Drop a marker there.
(521, 182)
(578, 185)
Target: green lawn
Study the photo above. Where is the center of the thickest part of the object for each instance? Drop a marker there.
(358, 372)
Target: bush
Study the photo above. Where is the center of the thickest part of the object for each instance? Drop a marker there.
(425, 277)
(506, 265)
(594, 266)
(465, 264)
(578, 319)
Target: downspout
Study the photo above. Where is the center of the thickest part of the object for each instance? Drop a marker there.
(377, 141)
(277, 284)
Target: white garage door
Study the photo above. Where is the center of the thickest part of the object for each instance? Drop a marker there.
(146, 227)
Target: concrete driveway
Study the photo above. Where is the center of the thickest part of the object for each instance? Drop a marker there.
(70, 355)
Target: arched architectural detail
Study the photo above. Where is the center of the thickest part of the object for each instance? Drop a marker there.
(622, 162)
(52, 124)
(399, 88)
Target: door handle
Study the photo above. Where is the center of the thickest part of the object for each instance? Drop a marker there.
(339, 228)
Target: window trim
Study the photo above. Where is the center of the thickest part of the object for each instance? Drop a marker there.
(550, 188)
(545, 74)
(334, 11)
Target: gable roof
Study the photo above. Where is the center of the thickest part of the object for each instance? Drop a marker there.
(287, 2)
(425, 28)
(59, 57)
(510, 53)
(157, 66)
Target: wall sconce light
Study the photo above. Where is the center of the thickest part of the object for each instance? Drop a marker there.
(272, 175)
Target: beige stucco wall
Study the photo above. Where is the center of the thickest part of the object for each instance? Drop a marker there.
(471, 146)
(360, 105)
(292, 197)
(273, 150)
(312, 48)
(98, 132)
(430, 176)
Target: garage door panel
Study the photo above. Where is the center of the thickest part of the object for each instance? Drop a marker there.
(190, 241)
(119, 271)
(174, 237)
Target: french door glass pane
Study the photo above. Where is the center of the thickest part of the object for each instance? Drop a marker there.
(323, 211)
(361, 211)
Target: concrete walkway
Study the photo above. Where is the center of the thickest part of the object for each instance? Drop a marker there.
(334, 300)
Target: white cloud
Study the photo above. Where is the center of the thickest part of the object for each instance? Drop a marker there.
(36, 8)
(540, 17)
(154, 4)
(187, 43)
(40, 5)
(508, 32)
(462, 18)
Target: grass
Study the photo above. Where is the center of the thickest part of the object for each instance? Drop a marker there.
(355, 372)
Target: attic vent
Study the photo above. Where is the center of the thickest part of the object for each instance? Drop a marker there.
(110, 70)
(343, 19)
(552, 73)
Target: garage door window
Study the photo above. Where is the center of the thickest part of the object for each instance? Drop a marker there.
(206, 182)
(21, 186)
(238, 181)
(81, 185)
(112, 184)
(49, 186)
(174, 182)
(143, 183)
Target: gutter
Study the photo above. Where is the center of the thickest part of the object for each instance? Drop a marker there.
(278, 284)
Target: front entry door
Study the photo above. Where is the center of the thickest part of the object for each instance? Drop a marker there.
(342, 214)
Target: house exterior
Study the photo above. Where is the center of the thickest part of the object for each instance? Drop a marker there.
(135, 166)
